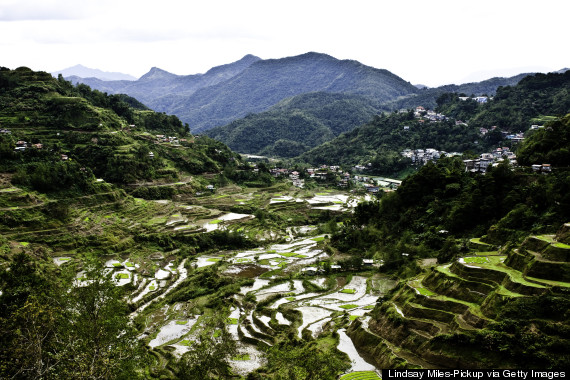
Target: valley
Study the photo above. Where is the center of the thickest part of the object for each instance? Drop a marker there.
(130, 248)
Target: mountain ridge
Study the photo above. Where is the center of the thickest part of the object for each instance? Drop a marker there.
(86, 72)
(267, 82)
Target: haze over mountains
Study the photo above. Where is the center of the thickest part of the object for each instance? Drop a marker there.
(86, 72)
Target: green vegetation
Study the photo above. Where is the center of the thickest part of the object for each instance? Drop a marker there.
(380, 142)
(505, 205)
(476, 260)
(72, 321)
(548, 145)
(360, 375)
(74, 330)
(296, 124)
(241, 357)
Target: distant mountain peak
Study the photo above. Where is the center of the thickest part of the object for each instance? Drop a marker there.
(156, 73)
(86, 72)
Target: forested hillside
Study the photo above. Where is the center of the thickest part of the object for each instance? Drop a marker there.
(296, 124)
(380, 142)
(276, 133)
(267, 82)
(531, 101)
(534, 100)
(64, 135)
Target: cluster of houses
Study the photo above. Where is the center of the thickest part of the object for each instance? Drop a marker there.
(481, 164)
(478, 99)
(515, 137)
(544, 168)
(422, 113)
(21, 145)
(423, 156)
(293, 176)
(169, 139)
(374, 185)
(297, 182)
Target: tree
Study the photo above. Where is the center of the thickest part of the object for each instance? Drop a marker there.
(308, 361)
(102, 342)
(52, 328)
(208, 357)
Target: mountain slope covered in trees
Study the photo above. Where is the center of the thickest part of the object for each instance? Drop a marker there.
(110, 136)
(296, 124)
(276, 132)
(533, 100)
(251, 85)
(267, 82)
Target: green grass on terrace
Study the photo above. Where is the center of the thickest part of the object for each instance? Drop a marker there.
(476, 260)
(361, 375)
(546, 238)
(496, 263)
(478, 241)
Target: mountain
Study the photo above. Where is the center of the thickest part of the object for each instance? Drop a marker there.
(226, 93)
(296, 124)
(267, 82)
(161, 90)
(302, 122)
(86, 72)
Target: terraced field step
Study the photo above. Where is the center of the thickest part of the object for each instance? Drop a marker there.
(407, 355)
(468, 315)
(493, 269)
(533, 264)
(443, 281)
(361, 375)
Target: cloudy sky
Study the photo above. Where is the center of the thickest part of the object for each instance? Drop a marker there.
(430, 42)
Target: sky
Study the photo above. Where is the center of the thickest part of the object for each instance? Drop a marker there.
(431, 42)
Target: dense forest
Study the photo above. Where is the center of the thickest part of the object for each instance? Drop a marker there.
(296, 124)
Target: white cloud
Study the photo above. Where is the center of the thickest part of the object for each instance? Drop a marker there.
(434, 42)
(25, 10)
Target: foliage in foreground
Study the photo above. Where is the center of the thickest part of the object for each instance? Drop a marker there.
(51, 329)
